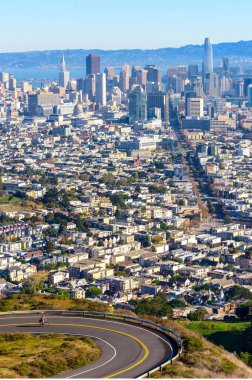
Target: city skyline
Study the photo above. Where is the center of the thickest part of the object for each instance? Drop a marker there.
(96, 25)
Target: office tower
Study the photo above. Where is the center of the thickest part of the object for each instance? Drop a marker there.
(214, 85)
(182, 72)
(172, 71)
(250, 95)
(158, 100)
(25, 86)
(134, 71)
(198, 87)
(125, 77)
(138, 105)
(127, 69)
(110, 72)
(43, 99)
(225, 66)
(195, 107)
(63, 74)
(154, 74)
(247, 82)
(239, 88)
(142, 77)
(189, 94)
(4, 77)
(12, 83)
(177, 84)
(90, 86)
(226, 85)
(93, 64)
(100, 89)
(207, 57)
(116, 95)
(193, 71)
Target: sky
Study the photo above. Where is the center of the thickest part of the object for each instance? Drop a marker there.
(120, 24)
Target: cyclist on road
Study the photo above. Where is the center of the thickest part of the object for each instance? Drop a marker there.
(43, 320)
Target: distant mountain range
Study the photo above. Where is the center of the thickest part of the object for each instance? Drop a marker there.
(239, 53)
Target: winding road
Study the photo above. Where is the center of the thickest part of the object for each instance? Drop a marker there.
(128, 350)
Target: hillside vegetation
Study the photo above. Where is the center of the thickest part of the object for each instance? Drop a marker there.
(46, 355)
(203, 359)
(50, 302)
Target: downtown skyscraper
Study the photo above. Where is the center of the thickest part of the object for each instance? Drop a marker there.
(208, 56)
(63, 73)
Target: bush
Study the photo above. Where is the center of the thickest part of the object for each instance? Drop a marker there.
(192, 344)
(197, 315)
(226, 366)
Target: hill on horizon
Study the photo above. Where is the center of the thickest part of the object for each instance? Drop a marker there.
(239, 53)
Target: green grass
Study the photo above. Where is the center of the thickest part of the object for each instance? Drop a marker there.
(45, 355)
(9, 199)
(226, 334)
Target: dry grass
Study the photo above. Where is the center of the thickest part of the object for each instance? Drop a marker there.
(34, 356)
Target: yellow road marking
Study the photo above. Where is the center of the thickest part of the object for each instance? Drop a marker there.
(99, 328)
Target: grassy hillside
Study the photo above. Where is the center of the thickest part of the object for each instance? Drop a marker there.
(226, 334)
(35, 356)
(202, 359)
(50, 302)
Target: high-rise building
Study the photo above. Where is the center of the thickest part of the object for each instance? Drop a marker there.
(93, 64)
(138, 105)
(63, 74)
(247, 82)
(4, 77)
(195, 107)
(171, 71)
(182, 72)
(158, 100)
(12, 83)
(207, 57)
(134, 71)
(100, 89)
(250, 95)
(193, 71)
(225, 66)
(189, 94)
(127, 69)
(110, 72)
(154, 74)
(214, 85)
(43, 99)
(142, 77)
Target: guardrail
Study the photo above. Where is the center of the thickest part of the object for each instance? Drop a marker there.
(144, 322)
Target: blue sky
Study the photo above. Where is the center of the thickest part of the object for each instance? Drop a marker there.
(120, 24)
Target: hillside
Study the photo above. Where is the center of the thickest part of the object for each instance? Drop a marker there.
(238, 52)
(202, 359)
(46, 355)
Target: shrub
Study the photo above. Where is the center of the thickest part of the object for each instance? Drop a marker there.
(192, 344)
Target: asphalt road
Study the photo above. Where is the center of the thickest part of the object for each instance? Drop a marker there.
(128, 351)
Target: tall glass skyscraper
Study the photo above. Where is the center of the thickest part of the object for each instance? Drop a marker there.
(208, 56)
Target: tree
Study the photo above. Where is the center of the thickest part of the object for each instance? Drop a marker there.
(243, 310)
(138, 189)
(157, 306)
(34, 283)
(197, 315)
(49, 246)
(177, 303)
(117, 214)
(238, 293)
(228, 220)
(211, 207)
(93, 292)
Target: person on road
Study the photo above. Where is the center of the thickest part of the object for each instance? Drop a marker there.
(43, 320)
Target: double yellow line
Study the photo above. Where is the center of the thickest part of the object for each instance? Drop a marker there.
(145, 348)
